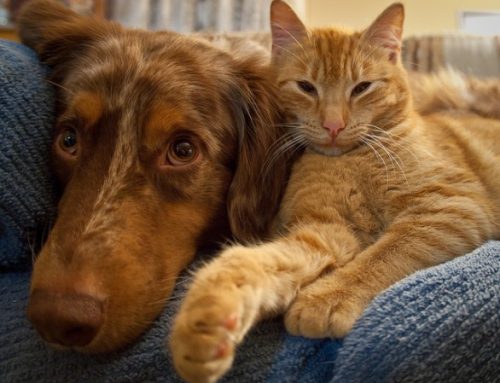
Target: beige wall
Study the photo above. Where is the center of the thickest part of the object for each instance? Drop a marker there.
(422, 16)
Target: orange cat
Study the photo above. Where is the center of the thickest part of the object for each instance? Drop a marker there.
(380, 192)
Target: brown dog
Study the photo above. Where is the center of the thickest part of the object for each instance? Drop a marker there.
(160, 143)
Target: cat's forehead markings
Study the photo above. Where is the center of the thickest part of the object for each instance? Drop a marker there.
(337, 57)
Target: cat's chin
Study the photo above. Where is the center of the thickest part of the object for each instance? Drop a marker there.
(331, 151)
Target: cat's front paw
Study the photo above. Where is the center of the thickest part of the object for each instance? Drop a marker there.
(206, 332)
(327, 308)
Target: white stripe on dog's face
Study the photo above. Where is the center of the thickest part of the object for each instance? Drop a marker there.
(122, 164)
(125, 150)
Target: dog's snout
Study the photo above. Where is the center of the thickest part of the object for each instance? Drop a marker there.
(67, 319)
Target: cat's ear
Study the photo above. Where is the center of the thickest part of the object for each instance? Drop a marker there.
(286, 27)
(387, 30)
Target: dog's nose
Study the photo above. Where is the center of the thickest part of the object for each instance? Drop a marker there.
(68, 319)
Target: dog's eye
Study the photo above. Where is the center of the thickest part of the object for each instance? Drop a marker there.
(182, 151)
(360, 88)
(68, 141)
(307, 87)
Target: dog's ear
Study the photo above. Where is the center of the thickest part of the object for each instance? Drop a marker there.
(58, 34)
(259, 180)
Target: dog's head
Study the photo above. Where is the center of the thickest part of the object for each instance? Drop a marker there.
(160, 139)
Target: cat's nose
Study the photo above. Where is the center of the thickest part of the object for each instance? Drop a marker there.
(333, 127)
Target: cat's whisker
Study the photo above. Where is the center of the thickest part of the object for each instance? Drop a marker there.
(289, 123)
(367, 143)
(400, 146)
(294, 143)
(390, 153)
(394, 157)
(379, 129)
(395, 140)
(296, 125)
(406, 147)
(281, 150)
(285, 146)
(256, 111)
(282, 139)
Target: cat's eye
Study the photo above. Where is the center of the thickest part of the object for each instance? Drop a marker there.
(360, 88)
(307, 87)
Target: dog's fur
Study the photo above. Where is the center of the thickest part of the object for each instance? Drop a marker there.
(128, 220)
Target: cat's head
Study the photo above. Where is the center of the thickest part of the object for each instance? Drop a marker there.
(340, 88)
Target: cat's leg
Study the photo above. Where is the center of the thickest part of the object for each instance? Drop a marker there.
(330, 306)
(231, 293)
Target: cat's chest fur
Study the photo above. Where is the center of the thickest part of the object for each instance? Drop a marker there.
(326, 189)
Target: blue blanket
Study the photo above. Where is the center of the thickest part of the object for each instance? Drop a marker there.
(439, 325)
(26, 118)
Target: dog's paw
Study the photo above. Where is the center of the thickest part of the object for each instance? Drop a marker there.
(206, 332)
(327, 308)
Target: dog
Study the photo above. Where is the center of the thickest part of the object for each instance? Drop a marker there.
(159, 147)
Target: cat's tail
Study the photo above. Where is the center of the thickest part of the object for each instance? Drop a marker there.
(450, 90)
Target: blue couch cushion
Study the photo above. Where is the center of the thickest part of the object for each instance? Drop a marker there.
(26, 188)
(438, 325)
